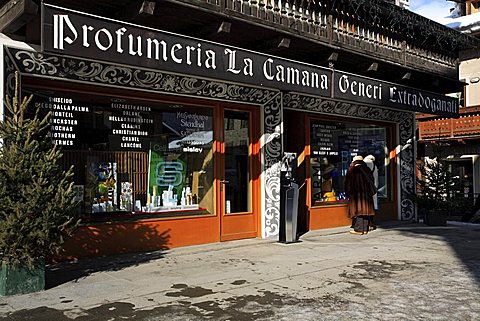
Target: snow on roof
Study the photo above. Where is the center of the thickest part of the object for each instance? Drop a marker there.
(469, 23)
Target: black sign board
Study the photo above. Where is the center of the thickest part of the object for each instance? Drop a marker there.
(328, 139)
(374, 92)
(78, 34)
(68, 32)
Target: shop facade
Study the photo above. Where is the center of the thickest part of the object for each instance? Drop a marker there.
(182, 143)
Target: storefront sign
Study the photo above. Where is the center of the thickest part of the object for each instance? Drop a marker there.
(374, 92)
(78, 34)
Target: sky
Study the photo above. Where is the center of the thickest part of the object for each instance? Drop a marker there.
(436, 10)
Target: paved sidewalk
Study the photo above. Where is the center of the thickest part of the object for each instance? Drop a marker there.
(402, 272)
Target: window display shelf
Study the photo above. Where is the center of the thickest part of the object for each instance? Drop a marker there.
(169, 209)
(119, 216)
(317, 203)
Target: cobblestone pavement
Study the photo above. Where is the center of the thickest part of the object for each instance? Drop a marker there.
(404, 272)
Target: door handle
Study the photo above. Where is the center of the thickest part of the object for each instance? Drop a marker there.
(223, 182)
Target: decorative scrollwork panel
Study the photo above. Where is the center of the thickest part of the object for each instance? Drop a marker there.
(9, 76)
(74, 69)
(340, 108)
(407, 168)
(272, 157)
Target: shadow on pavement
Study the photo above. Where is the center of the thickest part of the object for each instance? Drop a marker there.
(60, 273)
(95, 244)
(240, 308)
(464, 240)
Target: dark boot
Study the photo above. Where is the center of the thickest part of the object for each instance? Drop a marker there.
(353, 222)
(373, 226)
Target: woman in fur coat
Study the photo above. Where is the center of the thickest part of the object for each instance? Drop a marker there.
(360, 188)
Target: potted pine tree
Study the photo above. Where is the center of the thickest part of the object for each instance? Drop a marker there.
(36, 198)
(434, 192)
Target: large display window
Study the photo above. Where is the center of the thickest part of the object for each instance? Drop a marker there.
(333, 145)
(134, 156)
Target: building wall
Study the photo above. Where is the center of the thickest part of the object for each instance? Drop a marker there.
(472, 7)
(470, 72)
(405, 4)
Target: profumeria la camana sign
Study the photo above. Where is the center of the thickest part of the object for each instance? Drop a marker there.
(72, 33)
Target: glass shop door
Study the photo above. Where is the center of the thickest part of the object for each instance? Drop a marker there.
(239, 174)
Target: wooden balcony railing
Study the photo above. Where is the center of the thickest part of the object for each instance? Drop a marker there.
(450, 128)
(337, 26)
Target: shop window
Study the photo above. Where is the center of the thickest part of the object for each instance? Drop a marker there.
(229, 124)
(244, 124)
(461, 170)
(333, 146)
(133, 156)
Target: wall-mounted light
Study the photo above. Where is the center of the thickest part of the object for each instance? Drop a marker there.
(474, 80)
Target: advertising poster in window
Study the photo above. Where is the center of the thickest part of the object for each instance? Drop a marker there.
(181, 161)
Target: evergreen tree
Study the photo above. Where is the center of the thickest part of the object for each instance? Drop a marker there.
(36, 195)
(435, 184)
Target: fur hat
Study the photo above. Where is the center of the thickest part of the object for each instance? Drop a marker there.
(356, 158)
(370, 161)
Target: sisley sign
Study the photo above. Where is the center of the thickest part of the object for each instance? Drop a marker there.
(78, 34)
(374, 92)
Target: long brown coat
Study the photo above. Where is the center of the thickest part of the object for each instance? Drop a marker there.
(360, 188)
